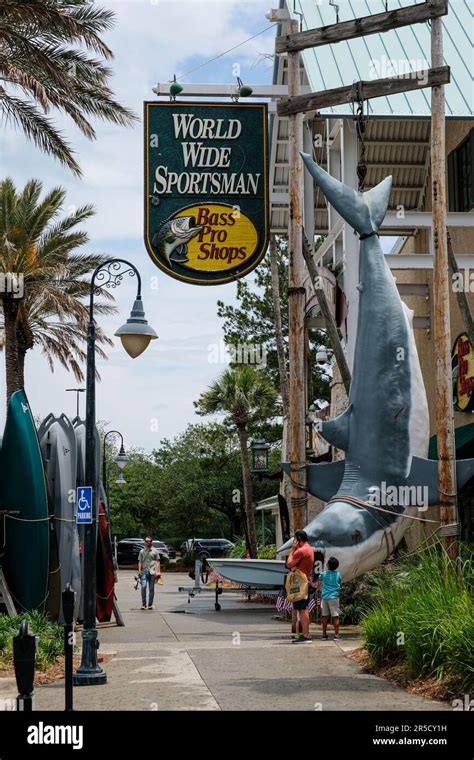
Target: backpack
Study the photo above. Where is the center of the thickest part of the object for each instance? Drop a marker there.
(296, 586)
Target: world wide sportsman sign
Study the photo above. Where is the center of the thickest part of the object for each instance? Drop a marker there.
(206, 189)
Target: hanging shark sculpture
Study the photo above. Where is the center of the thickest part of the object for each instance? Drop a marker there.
(385, 479)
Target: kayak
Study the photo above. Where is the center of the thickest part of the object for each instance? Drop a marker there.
(23, 488)
(105, 574)
(53, 601)
(58, 447)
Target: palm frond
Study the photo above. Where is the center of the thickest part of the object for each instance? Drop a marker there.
(45, 64)
(39, 129)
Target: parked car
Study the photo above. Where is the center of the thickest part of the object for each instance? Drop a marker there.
(207, 547)
(128, 550)
(167, 548)
(163, 550)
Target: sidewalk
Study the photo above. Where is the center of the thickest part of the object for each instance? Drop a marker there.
(189, 657)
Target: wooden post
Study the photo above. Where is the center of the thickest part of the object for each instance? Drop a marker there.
(296, 301)
(280, 343)
(449, 530)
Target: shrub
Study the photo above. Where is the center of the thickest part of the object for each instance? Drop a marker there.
(429, 601)
(381, 628)
(50, 645)
(267, 552)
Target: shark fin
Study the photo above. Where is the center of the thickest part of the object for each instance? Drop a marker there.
(336, 431)
(323, 479)
(424, 472)
(377, 200)
(363, 211)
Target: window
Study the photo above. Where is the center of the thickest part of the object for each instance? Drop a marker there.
(461, 175)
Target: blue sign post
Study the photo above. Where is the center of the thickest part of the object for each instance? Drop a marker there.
(84, 505)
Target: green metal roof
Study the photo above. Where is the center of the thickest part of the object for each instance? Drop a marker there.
(383, 55)
(462, 436)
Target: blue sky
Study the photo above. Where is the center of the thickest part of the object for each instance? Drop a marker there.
(150, 397)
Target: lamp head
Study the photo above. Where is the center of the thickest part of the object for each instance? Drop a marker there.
(121, 458)
(121, 481)
(136, 333)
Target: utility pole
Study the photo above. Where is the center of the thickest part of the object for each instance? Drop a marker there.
(449, 529)
(296, 300)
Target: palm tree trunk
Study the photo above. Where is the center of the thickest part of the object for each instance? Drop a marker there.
(24, 343)
(12, 368)
(280, 343)
(248, 495)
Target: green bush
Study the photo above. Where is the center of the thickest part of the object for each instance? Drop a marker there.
(50, 635)
(423, 613)
(381, 630)
(240, 550)
(267, 552)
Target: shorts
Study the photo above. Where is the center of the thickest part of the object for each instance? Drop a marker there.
(330, 608)
(302, 604)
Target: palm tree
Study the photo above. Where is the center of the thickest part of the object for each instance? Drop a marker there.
(40, 251)
(48, 60)
(245, 395)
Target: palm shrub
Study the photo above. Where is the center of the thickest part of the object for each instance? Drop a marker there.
(50, 645)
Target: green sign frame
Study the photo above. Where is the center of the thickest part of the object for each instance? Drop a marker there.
(206, 218)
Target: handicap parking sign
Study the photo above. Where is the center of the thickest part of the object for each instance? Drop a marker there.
(84, 504)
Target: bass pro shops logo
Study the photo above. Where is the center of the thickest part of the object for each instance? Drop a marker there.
(212, 237)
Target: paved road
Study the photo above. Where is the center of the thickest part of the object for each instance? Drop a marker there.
(189, 657)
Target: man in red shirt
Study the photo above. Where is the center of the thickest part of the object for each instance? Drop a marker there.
(302, 557)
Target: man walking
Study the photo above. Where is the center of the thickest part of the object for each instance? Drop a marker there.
(302, 557)
(148, 570)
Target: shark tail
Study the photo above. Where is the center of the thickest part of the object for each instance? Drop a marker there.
(363, 211)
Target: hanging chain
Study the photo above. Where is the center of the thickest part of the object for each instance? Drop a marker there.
(361, 123)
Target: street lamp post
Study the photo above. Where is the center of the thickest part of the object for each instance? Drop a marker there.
(77, 391)
(121, 459)
(135, 335)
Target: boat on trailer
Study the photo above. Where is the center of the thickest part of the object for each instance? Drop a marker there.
(250, 572)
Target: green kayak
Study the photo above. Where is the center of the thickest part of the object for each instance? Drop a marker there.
(23, 488)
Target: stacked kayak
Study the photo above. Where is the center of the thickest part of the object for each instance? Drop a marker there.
(23, 488)
(39, 473)
(58, 447)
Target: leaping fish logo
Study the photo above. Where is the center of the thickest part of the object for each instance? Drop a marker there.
(173, 236)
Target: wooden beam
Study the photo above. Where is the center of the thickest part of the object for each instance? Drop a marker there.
(361, 27)
(369, 89)
(296, 304)
(449, 529)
